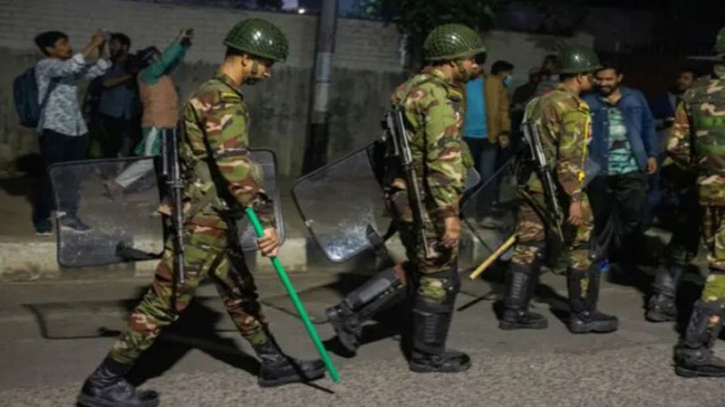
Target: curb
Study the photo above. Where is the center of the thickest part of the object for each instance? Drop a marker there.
(27, 261)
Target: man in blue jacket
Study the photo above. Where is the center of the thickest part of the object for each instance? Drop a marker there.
(624, 145)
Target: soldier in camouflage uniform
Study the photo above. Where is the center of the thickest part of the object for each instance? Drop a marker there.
(562, 118)
(698, 141)
(432, 108)
(221, 182)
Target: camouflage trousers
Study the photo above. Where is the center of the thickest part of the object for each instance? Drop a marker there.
(432, 275)
(209, 253)
(532, 236)
(713, 230)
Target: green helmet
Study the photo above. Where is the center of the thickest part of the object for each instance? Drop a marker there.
(452, 41)
(578, 59)
(720, 42)
(260, 38)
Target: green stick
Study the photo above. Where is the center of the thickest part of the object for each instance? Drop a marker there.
(296, 301)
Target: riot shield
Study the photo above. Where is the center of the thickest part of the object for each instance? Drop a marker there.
(343, 204)
(491, 212)
(123, 222)
(117, 222)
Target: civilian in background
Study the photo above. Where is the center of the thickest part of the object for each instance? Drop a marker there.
(63, 132)
(549, 77)
(663, 109)
(119, 108)
(623, 144)
(160, 107)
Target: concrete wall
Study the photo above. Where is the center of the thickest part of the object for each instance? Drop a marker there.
(367, 65)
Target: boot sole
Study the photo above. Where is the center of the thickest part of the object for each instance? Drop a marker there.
(593, 328)
(340, 332)
(88, 401)
(511, 326)
(309, 377)
(689, 373)
(428, 369)
(660, 318)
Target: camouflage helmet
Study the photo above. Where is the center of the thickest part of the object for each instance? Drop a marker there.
(578, 59)
(452, 41)
(720, 42)
(260, 38)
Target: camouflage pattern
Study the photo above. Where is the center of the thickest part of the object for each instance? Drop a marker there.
(432, 112)
(698, 142)
(214, 151)
(217, 115)
(565, 131)
(210, 253)
(720, 42)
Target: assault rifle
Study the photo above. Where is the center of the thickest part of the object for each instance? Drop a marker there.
(171, 171)
(401, 149)
(532, 137)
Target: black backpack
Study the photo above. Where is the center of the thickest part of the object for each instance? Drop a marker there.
(25, 94)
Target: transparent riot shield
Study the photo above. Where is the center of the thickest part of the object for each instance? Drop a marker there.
(490, 212)
(117, 201)
(98, 219)
(343, 204)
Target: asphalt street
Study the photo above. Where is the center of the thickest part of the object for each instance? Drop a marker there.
(52, 334)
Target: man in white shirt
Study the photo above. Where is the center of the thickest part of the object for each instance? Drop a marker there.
(62, 130)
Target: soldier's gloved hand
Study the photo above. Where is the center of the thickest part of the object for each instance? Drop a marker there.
(575, 214)
(453, 231)
(269, 243)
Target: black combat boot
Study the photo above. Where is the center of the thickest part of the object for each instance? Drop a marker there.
(584, 315)
(521, 282)
(430, 331)
(278, 369)
(106, 387)
(693, 355)
(661, 306)
(384, 290)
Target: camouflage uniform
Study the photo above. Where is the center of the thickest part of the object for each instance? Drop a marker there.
(565, 120)
(561, 120)
(432, 110)
(220, 182)
(698, 142)
(217, 117)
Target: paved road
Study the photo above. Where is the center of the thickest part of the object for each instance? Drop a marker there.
(49, 341)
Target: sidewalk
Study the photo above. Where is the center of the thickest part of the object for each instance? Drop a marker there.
(25, 256)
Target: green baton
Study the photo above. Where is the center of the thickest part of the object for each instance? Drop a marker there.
(296, 300)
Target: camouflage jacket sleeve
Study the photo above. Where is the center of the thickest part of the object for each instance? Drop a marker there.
(444, 150)
(678, 146)
(226, 124)
(571, 119)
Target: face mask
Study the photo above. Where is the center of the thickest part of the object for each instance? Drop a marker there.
(252, 80)
(508, 80)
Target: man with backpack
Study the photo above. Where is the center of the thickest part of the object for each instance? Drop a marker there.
(60, 124)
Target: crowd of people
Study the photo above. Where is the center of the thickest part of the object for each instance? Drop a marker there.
(130, 104)
(601, 143)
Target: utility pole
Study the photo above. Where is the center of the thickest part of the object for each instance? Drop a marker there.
(317, 134)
